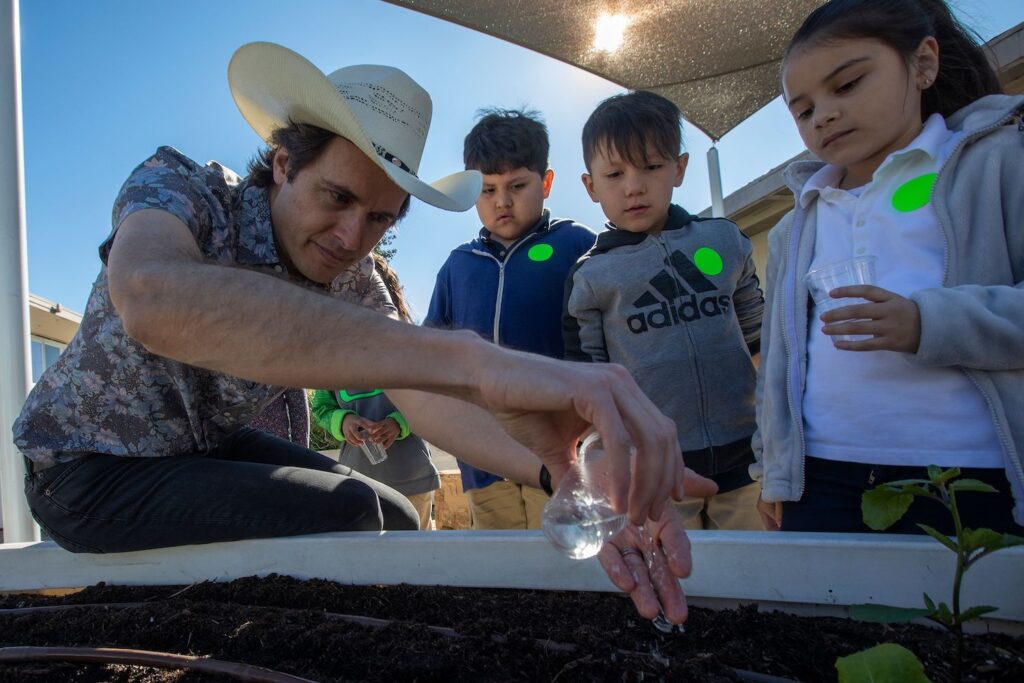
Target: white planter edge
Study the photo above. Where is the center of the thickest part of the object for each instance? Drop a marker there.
(802, 573)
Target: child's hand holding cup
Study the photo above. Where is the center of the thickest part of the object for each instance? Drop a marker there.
(859, 270)
(374, 451)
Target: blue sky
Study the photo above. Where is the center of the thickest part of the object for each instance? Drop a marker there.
(106, 82)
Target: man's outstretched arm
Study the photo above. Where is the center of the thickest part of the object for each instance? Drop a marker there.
(251, 325)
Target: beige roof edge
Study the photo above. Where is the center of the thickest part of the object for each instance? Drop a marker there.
(756, 190)
(54, 308)
(1005, 51)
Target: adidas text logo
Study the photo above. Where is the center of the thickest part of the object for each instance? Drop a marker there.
(677, 304)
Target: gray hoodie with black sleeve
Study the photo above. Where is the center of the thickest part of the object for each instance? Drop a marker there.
(681, 310)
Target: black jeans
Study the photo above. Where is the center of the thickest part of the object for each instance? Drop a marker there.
(253, 485)
(832, 493)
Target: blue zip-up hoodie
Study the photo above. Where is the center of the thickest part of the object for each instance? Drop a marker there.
(509, 295)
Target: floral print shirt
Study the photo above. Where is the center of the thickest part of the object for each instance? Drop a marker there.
(106, 393)
(287, 417)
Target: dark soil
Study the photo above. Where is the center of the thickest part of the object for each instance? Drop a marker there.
(286, 625)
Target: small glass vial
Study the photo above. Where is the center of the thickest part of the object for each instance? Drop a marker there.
(579, 518)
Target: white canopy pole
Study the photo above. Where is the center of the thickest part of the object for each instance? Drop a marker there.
(15, 367)
(715, 177)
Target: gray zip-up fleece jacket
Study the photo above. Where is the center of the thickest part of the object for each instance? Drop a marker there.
(681, 310)
(975, 321)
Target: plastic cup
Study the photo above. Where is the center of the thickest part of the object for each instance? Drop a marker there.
(373, 451)
(859, 270)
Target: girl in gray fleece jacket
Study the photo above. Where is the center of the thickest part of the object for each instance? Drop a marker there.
(924, 169)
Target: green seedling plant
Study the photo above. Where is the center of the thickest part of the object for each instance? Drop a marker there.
(882, 507)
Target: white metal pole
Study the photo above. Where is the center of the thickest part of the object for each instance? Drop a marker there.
(15, 367)
(715, 176)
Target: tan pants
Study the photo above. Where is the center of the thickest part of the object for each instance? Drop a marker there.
(423, 502)
(506, 505)
(735, 510)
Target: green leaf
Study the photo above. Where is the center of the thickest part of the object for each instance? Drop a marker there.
(944, 476)
(978, 539)
(881, 507)
(916, 490)
(1009, 540)
(934, 472)
(939, 536)
(886, 614)
(972, 485)
(929, 603)
(975, 612)
(885, 663)
(942, 614)
(902, 483)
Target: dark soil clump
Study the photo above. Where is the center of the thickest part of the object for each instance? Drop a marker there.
(291, 626)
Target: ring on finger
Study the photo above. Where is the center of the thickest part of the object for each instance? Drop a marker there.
(630, 551)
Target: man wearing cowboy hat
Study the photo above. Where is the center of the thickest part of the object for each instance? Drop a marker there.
(217, 292)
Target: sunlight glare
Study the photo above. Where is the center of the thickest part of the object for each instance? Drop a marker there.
(609, 32)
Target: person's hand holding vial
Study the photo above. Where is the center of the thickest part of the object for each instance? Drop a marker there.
(644, 561)
(581, 516)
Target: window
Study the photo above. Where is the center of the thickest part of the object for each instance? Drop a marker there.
(44, 353)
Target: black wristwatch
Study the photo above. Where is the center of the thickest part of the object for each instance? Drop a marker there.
(545, 480)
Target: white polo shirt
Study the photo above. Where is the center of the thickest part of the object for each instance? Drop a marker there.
(875, 406)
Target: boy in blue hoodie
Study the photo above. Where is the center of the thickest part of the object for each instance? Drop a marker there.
(506, 285)
(671, 297)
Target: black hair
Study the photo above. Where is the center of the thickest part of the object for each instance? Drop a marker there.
(965, 73)
(506, 139)
(630, 122)
(304, 144)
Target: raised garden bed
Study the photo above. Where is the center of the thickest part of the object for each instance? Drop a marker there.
(292, 626)
(573, 629)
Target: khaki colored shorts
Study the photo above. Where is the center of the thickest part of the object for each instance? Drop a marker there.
(735, 510)
(506, 505)
(423, 502)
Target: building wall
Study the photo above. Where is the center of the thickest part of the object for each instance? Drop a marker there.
(51, 326)
(760, 242)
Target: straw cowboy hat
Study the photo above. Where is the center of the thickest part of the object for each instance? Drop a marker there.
(379, 109)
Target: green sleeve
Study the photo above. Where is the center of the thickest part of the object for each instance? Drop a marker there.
(403, 426)
(327, 414)
(322, 406)
(337, 417)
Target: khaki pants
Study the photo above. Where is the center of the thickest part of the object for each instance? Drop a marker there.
(506, 505)
(735, 510)
(423, 502)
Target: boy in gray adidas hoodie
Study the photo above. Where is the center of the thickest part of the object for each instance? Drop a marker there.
(671, 297)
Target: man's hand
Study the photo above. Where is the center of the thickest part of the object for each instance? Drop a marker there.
(893, 321)
(647, 562)
(546, 405)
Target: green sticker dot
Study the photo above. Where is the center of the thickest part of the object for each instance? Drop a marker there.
(914, 194)
(708, 261)
(540, 252)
